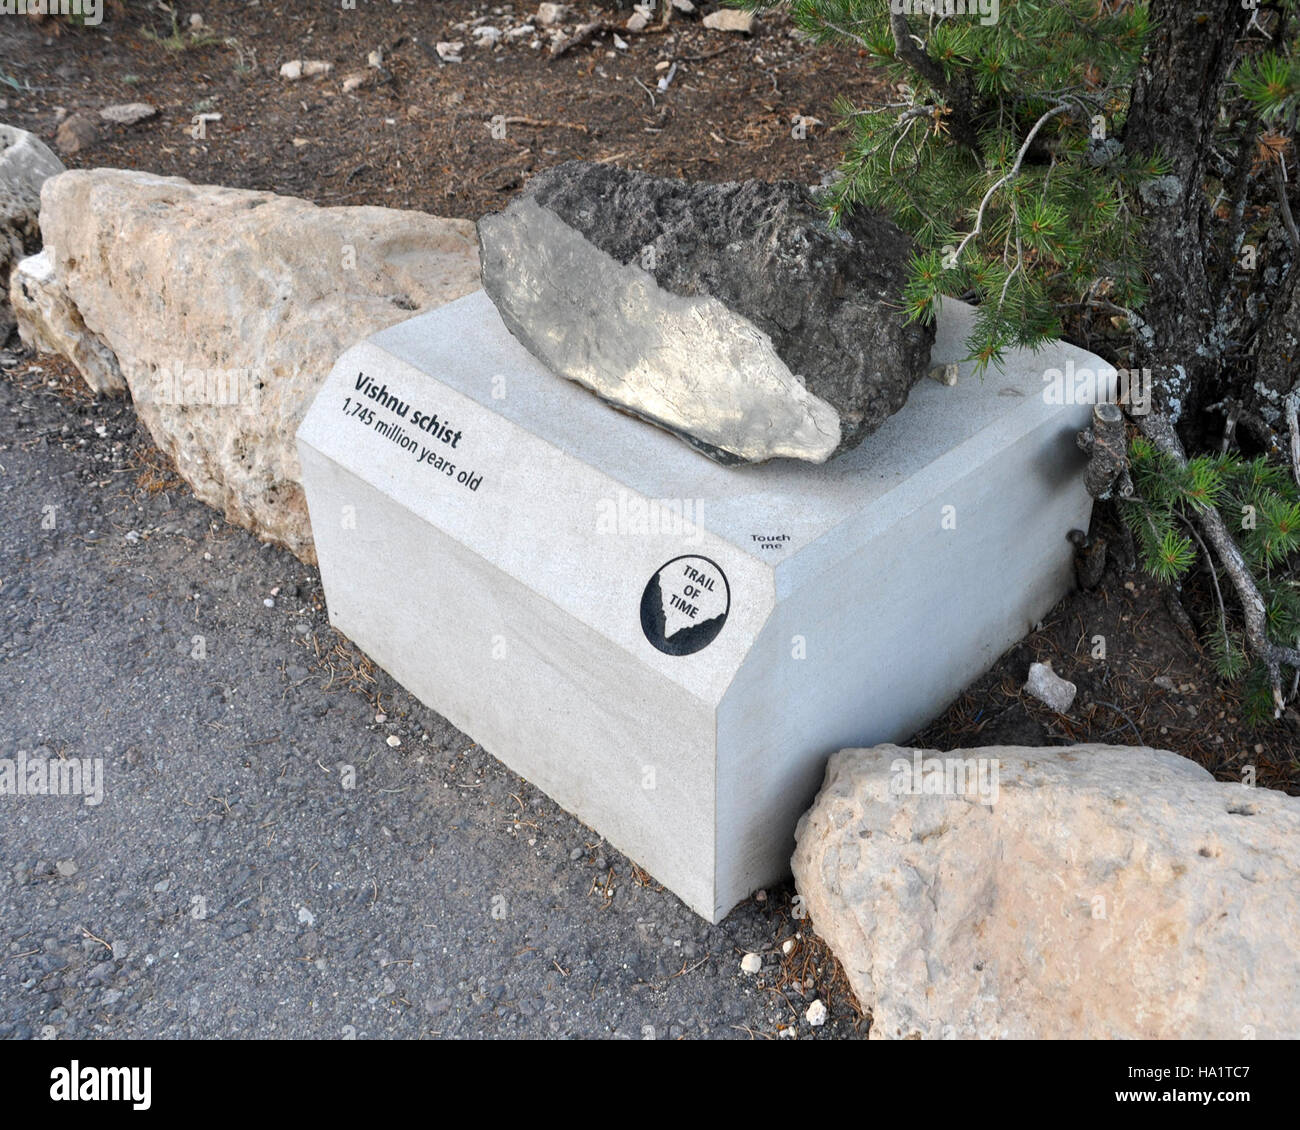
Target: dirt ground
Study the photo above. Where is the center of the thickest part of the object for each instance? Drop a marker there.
(419, 132)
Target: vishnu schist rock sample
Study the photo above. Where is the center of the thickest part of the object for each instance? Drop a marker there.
(732, 315)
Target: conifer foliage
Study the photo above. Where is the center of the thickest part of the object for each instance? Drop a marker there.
(1121, 173)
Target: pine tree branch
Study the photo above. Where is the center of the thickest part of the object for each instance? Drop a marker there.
(1060, 108)
(1158, 429)
(907, 49)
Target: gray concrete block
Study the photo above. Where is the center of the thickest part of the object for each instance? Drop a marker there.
(508, 548)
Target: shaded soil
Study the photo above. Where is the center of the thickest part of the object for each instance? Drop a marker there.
(1155, 686)
(419, 132)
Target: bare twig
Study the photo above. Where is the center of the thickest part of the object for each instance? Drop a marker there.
(1290, 407)
(544, 123)
(1284, 205)
(1011, 175)
(96, 938)
(1214, 576)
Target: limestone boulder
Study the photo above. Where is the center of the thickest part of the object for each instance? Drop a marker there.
(1087, 891)
(49, 322)
(26, 163)
(732, 315)
(224, 310)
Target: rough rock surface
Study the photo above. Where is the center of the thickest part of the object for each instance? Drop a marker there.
(225, 309)
(1107, 892)
(728, 19)
(49, 323)
(1049, 688)
(75, 133)
(26, 163)
(729, 314)
(128, 113)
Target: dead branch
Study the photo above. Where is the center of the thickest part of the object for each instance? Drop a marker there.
(1291, 406)
(544, 123)
(585, 33)
(1106, 444)
(1157, 428)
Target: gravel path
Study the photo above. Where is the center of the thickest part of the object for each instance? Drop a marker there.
(230, 884)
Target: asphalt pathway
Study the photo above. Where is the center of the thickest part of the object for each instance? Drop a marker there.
(230, 883)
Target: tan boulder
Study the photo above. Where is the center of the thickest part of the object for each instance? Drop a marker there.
(225, 309)
(49, 323)
(26, 163)
(1090, 892)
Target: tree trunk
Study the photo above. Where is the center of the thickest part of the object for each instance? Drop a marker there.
(1277, 353)
(1174, 111)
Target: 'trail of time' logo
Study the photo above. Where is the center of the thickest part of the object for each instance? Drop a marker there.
(685, 605)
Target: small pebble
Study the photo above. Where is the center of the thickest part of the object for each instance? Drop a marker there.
(816, 1014)
(394, 740)
(751, 963)
(1049, 688)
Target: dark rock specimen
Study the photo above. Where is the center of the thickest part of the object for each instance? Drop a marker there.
(731, 314)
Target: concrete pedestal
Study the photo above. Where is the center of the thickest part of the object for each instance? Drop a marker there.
(668, 647)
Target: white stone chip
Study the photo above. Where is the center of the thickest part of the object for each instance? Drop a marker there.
(1048, 687)
(128, 113)
(729, 19)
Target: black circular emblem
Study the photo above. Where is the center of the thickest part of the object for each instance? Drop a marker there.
(685, 605)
